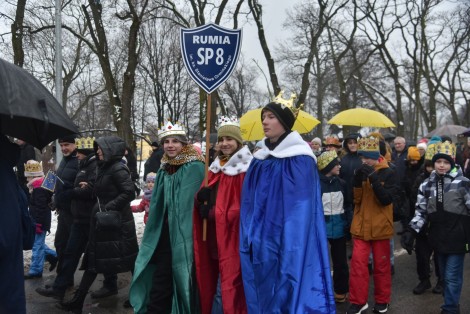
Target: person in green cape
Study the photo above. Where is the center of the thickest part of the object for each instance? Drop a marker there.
(164, 275)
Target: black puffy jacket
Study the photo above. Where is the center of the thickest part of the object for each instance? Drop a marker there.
(83, 199)
(112, 253)
(66, 172)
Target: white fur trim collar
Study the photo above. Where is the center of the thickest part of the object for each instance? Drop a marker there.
(238, 163)
(292, 145)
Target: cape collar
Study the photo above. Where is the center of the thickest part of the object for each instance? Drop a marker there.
(238, 163)
(292, 145)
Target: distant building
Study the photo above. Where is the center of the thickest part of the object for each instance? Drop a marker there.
(144, 150)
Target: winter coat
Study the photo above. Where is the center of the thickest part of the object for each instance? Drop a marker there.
(112, 252)
(39, 204)
(144, 205)
(333, 191)
(83, 199)
(449, 228)
(12, 295)
(67, 172)
(153, 162)
(373, 208)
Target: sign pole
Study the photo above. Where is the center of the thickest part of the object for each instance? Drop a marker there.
(206, 166)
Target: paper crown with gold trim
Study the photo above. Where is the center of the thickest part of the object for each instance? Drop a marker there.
(84, 142)
(224, 120)
(33, 168)
(369, 147)
(171, 129)
(430, 151)
(326, 158)
(446, 151)
(289, 103)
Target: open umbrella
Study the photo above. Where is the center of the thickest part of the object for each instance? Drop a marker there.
(362, 117)
(451, 130)
(252, 128)
(28, 110)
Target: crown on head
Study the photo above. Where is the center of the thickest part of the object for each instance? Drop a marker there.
(223, 121)
(325, 158)
(368, 144)
(289, 103)
(171, 129)
(84, 142)
(33, 166)
(446, 148)
(430, 151)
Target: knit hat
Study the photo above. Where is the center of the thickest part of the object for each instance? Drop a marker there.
(413, 153)
(150, 177)
(172, 130)
(68, 139)
(316, 140)
(332, 140)
(351, 136)
(85, 145)
(446, 151)
(422, 145)
(231, 128)
(327, 161)
(33, 168)
(368, 147)
(435, 139)
(283, 114)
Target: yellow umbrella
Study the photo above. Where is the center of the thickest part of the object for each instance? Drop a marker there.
(362, 117)
(252, 128)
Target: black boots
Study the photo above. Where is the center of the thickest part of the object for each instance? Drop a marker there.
(439, 288)
(422, 286)
(104, 292)
(52, 261)
(76, 304)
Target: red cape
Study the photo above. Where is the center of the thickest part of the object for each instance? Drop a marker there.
(222, 232)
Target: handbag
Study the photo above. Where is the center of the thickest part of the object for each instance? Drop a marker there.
(107, 220)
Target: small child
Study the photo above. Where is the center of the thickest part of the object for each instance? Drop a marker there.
(41, 213)
(145, 202)
(333, 191)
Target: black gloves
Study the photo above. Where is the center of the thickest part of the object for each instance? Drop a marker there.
(204, 195)
(408, 240)
(369, 172)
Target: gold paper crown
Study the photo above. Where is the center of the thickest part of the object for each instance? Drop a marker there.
(332, 140)
(368, 144)
(430, 151)
(33, 166)
(289, 103)
(171, 129)
(84, 142)
(446, 148)
(325, 158)
(223, 121)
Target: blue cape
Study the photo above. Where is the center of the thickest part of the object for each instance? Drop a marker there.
(283, 244)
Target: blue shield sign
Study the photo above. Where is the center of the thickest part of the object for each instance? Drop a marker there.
(210, 53)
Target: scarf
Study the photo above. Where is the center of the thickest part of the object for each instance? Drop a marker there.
(188, 153)
(440, 194)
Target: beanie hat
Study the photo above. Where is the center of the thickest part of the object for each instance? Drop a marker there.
(231, 128)
(327, 161)
(351, 136)
(150, 177)
(413, 153)
(33, 168)
(85, 145)
(435, 139)
(283, 113)
(68, 139)
(316, 140)
(422, 145)
(369, 147)
(446, 151)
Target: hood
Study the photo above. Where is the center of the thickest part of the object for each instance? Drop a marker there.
(355, 136)
(113, 147)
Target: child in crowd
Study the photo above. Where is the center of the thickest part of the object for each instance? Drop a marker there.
(41, 213)
(334, 198)
(145, 202)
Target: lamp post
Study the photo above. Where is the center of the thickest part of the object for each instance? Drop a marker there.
(58, 69)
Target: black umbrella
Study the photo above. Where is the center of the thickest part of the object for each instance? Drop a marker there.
(28, 110)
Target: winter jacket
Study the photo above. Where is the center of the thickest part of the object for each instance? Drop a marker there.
(333, 191)
(449, 228)
(144, 205)
(153, 162)
(112, 252)
(67, 172)
(83, 199)
(39, 204)
(373, 209)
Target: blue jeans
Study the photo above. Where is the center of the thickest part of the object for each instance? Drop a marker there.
(40, 250)
(451, 267)
(217, 307)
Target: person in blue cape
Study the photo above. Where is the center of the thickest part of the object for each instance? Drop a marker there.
(283, 244)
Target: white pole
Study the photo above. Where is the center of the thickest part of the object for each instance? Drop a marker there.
(58, 68)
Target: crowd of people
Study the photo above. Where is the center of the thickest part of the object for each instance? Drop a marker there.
(256, 234)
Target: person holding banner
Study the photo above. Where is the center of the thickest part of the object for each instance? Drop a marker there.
(164, 274)
(283, 244)
(218, 259)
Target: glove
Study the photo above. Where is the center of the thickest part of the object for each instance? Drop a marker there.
(38, 228)
(204, 210)
(204, 195)
(367, 170)
(408, 240)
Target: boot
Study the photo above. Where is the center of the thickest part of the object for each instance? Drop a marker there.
(104, 292)
(52, 260)
(439, 288)
(422, 286)
(76, 304)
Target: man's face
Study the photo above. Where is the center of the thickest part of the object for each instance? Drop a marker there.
(399, 144)
(67, 148)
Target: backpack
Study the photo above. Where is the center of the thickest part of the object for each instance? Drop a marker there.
(27, 222)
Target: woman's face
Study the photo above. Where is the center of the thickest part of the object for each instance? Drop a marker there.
(315, 145)
(227, 145)
(272, 128)
(172, 147)
(99, 152)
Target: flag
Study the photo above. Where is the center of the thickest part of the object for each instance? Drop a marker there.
(49, 181)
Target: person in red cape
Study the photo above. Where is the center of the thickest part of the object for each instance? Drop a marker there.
(218, 270)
